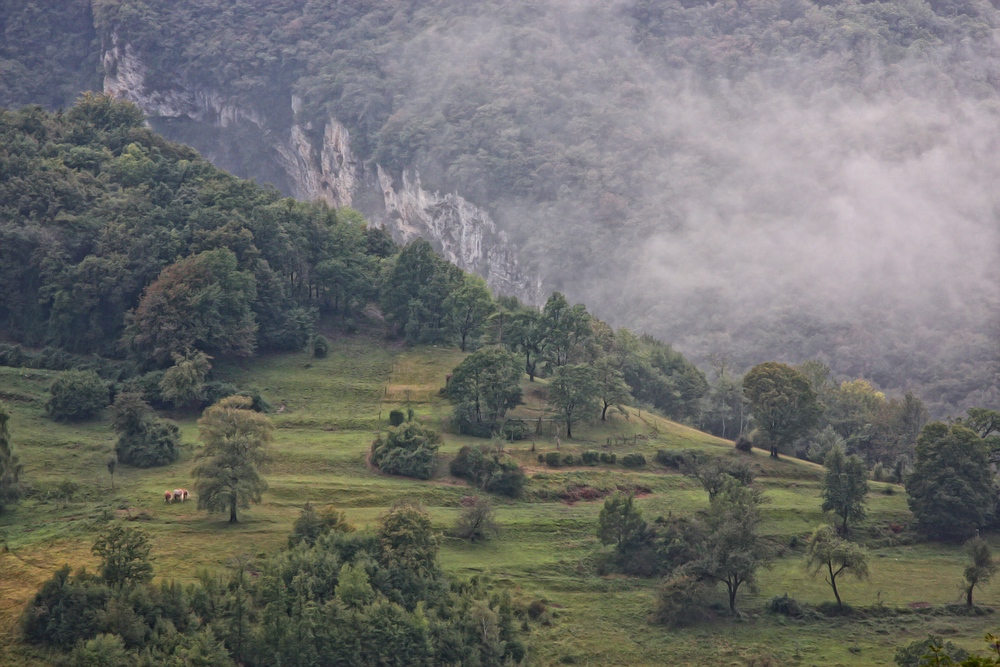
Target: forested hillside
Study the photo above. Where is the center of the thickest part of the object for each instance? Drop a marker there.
(750, 180)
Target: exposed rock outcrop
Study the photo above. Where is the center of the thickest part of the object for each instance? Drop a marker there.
(320, 165)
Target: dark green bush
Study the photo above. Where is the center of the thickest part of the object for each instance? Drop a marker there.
(744, 444)
(77, 395)
(634, 460)
(553, 459)
(784, 605)
(590, 458)
(320, 346)
(677, 458)
(568, 459)
(156, 444)
(144, 440)
(490, 471)
(409, 449)
(396, 417)
(13, 355)
(611, 458)
(912, 654)
(67, 609)
(682, 600)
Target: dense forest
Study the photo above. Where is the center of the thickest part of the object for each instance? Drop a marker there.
(722, 170)
(127, 254)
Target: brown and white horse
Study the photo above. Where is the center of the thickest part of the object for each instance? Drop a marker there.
(178, 495)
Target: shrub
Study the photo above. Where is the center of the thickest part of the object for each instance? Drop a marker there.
(553, 459)
(878, 473)
(744, 444)
(784, 605)
(311, 525)
(677, 458)
(477, 521)
(396, 417)
(912, 654)
(76, 395)
(634, 460)
(609, 458)
(409, 449)
(13, 355)
(144, 440)
(590, 458)
(320, 346)
(568, 459)
(681, 601)
(490, 471)
(536, 608)
(541, 458)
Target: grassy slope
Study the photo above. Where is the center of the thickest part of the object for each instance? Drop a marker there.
(331, 409)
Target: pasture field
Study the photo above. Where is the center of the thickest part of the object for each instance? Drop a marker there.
(328, 411)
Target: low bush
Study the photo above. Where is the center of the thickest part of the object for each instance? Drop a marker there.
(144, 440)
(320, 346)
(568, 459)
(590, 458)
(553, 459)
(634, 460)
(682, 600)
(396, 417)
(784, 605)
(77, 395)
(678, 458)
(409, 449)
(491, 471)
(744, 444)
(610, 459)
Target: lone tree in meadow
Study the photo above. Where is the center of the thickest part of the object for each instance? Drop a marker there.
(845, 488)
(735, 550)
(575, 393)
(236, 443)
(783, 403)
(620, 522)
(835, 556)
(981, 567)
(951, 486)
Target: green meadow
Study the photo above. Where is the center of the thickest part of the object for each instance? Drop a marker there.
(327, 411)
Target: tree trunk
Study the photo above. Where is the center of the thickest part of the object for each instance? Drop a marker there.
(569, 428)
(463, 340)
(604, 412)
(968, 595)
(232, 510)
(732, 596)
(833, 585)
(774, 452)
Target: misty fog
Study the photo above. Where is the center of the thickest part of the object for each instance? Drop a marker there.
(831, 190)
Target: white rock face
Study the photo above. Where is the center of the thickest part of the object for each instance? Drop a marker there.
(320, 166)
(463, 233)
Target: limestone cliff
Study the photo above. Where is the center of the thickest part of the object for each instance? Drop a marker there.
(315, 162)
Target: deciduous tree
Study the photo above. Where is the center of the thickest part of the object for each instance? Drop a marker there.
(783, 403)
(951, 486)
(845, 488)
(981, 567)
(575, 393)
(826, 551)
(236, 443)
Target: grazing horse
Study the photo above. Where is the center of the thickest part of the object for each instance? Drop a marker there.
(181, 494)
(168, 496)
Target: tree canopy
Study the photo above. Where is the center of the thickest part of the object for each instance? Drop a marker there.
(950, 490)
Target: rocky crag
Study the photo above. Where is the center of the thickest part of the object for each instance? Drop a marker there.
(316, 163)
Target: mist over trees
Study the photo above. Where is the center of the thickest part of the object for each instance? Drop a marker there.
(755, 180)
